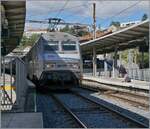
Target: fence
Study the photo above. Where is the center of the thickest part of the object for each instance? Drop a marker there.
(139, 74)
(134, 73)
(100, 72)
(20, 81)
(13, 82)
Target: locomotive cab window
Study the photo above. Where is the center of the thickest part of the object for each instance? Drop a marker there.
(68, 45)
(51, 46)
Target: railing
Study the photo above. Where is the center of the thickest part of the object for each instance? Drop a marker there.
(20, 81)
(139, 74)
(134, 73)
(13, 82)
(100, 72)
(6, 85)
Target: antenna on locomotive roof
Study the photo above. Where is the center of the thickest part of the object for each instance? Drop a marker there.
(53, 22)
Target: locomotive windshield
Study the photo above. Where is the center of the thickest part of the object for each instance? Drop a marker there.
(51, 46)
(68, 45)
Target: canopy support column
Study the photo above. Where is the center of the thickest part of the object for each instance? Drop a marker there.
(129, 62)
(142, 63)
(115, 62)
(94, 62)
(105, 65)
(120, 58)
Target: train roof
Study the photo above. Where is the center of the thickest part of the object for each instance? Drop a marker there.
(58, 36)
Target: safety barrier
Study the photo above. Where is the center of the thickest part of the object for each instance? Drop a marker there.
(7, 80)
(20, 81)
(134, 73)
(13, 82)
(139, 74)
(100, 72)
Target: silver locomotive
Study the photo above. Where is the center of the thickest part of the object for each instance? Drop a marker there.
(55, 57)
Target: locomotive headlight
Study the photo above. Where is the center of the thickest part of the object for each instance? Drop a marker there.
(75, 66)
(50, 65)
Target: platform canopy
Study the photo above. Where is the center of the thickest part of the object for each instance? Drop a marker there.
(130, 37)
(13, 21)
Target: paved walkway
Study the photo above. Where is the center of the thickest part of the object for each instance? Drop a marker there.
(113, 83)
(15, 119)
(21, 120)
(119, 82)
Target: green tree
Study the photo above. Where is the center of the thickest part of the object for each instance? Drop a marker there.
(99, 27)
(146, 60)
(24, 40)
(82, 33)
(115, 23)
(144, 17)
(137, 57)
(65, 29)
(32, 39)
(73, 31)
(29, 41)
(125, 55)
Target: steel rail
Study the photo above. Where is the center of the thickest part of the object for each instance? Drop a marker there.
(112, 110)
(125, 99)
(110, 86)
(129, 100)
(137, 95)
(81, 124)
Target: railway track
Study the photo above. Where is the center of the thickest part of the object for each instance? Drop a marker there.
(65, 107)
(136, 100)
(88, 113)
(131, 99)
(54, 116)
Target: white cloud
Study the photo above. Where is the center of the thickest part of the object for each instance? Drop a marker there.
(36, 8)
(83, 8)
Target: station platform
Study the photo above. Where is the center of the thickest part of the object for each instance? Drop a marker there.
(134, 84)
(21, 120)
(24, 115)
(11, 92)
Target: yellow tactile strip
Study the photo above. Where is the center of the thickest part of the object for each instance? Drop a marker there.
(8, 87)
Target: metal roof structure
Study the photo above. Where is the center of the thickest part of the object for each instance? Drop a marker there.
(56, 36)
(129, 37)
(14, 12)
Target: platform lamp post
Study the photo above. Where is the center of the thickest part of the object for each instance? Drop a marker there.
(94, 37)
(115, 61)
(129, 62)
(147, 42)
(105, 65)
(149, 57)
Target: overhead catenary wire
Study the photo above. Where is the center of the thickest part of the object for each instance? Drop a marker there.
(57, 10)
(62, 8)
(76, 14)
(84, 17)
(97, 17)
(122, 11)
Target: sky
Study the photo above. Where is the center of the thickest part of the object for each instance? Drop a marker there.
(80, 11)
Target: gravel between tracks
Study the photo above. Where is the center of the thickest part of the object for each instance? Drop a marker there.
(53, 115)
(127, 110)
(92, 115)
